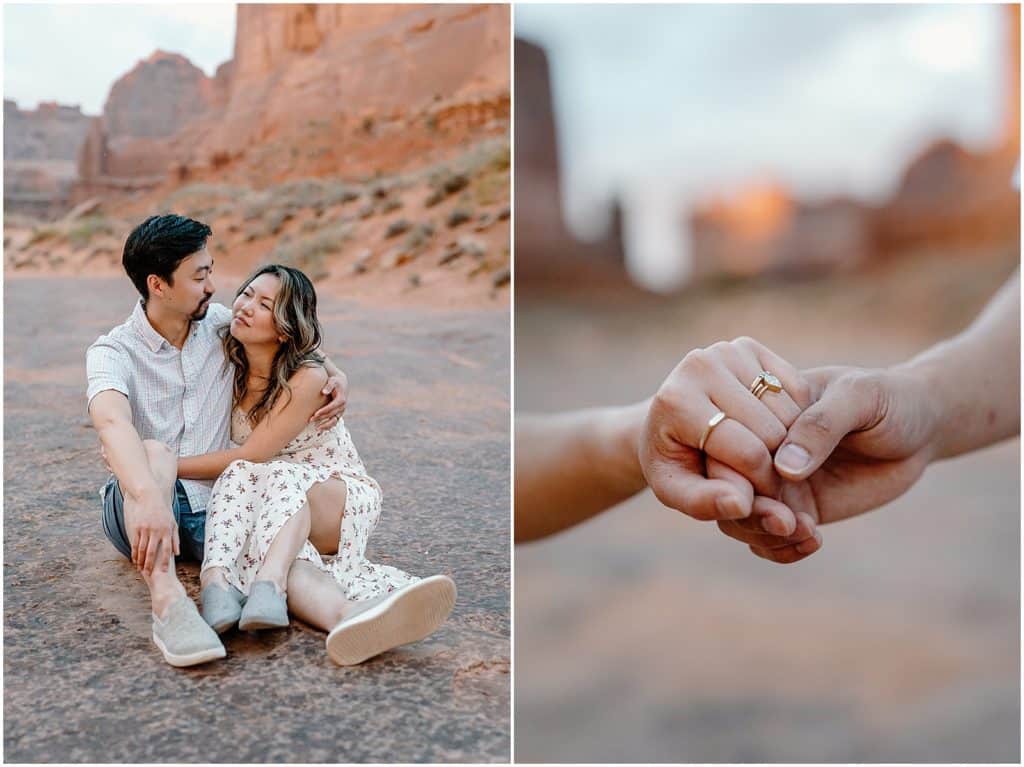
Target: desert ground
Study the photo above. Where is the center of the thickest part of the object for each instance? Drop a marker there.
(429, 412)
(644, 635)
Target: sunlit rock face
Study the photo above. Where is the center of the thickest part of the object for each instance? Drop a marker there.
(355, 88)
(311, 90)
(764, 229)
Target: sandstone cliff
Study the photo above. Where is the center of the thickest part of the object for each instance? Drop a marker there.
(40, 147)
(342, 89)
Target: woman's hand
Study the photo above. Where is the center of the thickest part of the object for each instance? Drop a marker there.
(736, 465)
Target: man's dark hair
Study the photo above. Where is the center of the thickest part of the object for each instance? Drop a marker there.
(158, 245)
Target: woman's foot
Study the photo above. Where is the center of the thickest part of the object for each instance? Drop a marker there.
(266, 608)
(409, 614)
(222, 606)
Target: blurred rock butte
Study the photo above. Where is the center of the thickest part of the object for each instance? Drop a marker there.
(312, 90)
(548, 255)
(40, 150)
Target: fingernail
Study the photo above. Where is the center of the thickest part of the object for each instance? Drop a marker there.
(729, 507)
(773, 525)
(792, 458)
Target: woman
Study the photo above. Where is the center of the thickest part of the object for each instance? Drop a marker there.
(287, 489)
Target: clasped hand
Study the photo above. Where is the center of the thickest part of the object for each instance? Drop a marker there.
(833, 443)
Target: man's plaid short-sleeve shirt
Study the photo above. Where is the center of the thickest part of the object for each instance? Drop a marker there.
(179, 397)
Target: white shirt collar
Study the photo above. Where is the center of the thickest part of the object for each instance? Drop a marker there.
(145, 329)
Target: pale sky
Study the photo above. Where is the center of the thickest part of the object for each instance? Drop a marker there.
(660, 104)
(72, 54)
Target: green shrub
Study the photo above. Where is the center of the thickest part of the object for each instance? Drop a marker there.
(84, 229)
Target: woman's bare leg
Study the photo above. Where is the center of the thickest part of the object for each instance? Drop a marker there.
(314, 596)
(327, 507)
(214, 576)
(283, 549)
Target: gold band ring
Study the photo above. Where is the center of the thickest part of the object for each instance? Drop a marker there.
(765, 381)
(716, 419)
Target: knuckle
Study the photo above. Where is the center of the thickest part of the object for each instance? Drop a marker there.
(817, 422)
(774, 435)
(865, 387)
(801, 393)
(695, 360)
(752, 457)
(666, 399)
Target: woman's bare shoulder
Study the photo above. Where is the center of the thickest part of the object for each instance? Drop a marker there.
(309, 379)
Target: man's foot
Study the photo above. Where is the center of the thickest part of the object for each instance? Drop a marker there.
(222, 606)
(266, 608)
(382, 623)
(183, 636)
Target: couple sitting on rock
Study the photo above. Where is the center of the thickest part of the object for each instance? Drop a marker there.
(186, 392)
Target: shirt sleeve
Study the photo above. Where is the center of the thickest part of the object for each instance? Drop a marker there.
(220, 314)
(106, 367)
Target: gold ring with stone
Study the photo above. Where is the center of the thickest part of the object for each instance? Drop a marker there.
(765, 381)
(716, 419)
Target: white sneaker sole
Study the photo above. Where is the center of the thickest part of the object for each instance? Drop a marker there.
(411, 614)
(192, 659)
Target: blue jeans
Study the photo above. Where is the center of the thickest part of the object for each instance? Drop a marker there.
(191, 524)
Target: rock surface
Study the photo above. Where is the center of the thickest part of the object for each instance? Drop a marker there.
(84, 682)
(40, 149)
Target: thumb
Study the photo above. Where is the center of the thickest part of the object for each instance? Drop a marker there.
(842, 408)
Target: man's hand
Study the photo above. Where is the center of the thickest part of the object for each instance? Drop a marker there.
(154, 535)
(328, 416)
(864, 442)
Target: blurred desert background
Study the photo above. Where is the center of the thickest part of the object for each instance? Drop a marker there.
(367, 145)
(643, 635)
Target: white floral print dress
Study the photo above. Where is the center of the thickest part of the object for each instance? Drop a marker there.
(251, 502)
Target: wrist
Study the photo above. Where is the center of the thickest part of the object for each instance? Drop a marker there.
(140, 493)
(935, 403)
(618, 440)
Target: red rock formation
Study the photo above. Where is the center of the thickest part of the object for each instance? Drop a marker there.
(312, 90)
(157, 98)
(763, 229)
(319, 89)
(40, 147)
(547, 253)
(951, 196)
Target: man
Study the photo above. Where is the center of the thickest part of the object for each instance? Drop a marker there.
(158, 388)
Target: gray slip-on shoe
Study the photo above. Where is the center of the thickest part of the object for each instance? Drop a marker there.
(184, 637)
(264, 609)
(407, 615)
(221, 606)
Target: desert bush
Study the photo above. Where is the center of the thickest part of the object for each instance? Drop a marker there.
(202, 194)
(396, 228)
(42, 234)
(459, 215)
(419, 236)
(310, 253)
(82, 230)
(391, 204)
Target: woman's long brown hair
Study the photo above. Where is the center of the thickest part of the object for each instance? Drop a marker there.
(296, 320)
